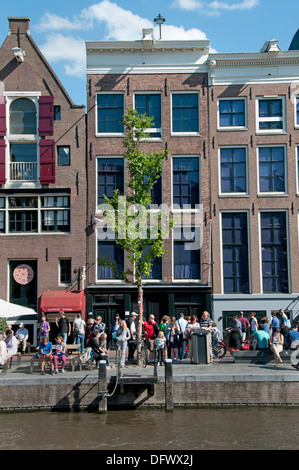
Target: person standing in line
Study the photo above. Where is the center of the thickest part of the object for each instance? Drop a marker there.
(132, 325)
(44, 328)
(64, 326)
(99, 325)
(151, 330)
(245, 325)
(182, 324)
(79, 331)
(206, 323)
(253, 323)
(122, 337)
(276, 345)
(274, 323)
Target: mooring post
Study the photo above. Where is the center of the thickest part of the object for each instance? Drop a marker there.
(102, 387)
(168, 385)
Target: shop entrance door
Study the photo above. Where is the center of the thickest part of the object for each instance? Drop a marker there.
(108, 314)
(23, 283)
(188, 311)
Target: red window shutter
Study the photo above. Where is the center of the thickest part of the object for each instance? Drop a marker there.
(47, 161)
(2, 162)
(46, 115)
(2, 115)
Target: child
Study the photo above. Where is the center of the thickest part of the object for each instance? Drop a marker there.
(60, 354)
(161, 348)
(276, 345)
(45, 353)
(174, 342)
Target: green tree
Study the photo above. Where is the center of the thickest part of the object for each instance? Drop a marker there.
(139, 231)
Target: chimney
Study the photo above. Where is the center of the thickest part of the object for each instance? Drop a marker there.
(18, 25)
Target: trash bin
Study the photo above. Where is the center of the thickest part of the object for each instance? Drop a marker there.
(201, 346)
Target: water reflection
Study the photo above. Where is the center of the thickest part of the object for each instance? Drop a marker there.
(183, 429)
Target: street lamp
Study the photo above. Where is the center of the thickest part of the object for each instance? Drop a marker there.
(159, 20)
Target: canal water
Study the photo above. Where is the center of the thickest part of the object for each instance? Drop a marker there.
(273, 428)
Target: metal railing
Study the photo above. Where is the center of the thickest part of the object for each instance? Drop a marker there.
(23, 171)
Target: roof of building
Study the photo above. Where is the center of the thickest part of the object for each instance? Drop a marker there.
(295, 42)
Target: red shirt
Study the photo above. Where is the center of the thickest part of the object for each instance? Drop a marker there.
(149, 330)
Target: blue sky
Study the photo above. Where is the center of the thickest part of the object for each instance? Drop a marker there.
(60, 27)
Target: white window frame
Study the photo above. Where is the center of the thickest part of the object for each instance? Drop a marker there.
(152, 130)
(237, 211)
(274, 193)
(98, 157)
(230, 128)
(271, 119)
(107, 134)
(187, 280)
(174, 209)
(99, 281)
(234, 194)
(178, 92)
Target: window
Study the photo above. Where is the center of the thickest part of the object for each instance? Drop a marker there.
(186, 253)
(297, 112)
(23, 162)
(235, 253)
(36, 214)
(150, 104)
(272, 169)
(232, 113)
(186, 181)
(271, 115)
(109, 250)
(64, 155)
(65, 271)
(274, 252)
(156, 272)
(233, 170)
(57, 113)
(55, 214)
(23, 117)
(110, 177)
(185, 113)
(110, 111)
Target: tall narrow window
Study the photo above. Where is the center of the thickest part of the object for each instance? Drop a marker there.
(186, 181)
(65, 271)
(187, 253)
(272, 169)
(150, 104)
(274, 252)
(110, 111)
(233, 170)
(23, 117)
(185, 113)
(114, 253)
(235, 253)
(110, 177)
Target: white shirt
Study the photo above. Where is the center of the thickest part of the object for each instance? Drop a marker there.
(182, 323)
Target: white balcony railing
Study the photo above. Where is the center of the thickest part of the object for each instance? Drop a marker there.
(23, 171)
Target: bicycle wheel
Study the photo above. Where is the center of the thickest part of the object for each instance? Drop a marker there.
(220, 350)
(143, 357)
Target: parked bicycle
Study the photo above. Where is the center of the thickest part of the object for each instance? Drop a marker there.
(220, 348)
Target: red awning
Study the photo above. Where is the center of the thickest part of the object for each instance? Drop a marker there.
(55, 301)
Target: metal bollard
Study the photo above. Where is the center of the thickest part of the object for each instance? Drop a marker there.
(168, 385)
(102, 387)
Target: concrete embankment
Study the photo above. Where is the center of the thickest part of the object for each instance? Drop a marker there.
(219, 384)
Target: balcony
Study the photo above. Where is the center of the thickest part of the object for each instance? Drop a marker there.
(23, 171)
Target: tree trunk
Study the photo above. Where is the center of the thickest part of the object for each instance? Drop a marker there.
(140, 323)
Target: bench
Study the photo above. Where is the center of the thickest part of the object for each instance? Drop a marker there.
(16, 356)
(4, 367)
(260, 356)
(68, 360)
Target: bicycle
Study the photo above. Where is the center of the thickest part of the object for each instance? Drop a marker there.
(220, 348)
(143, 352)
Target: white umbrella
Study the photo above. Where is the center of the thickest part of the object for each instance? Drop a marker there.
(9, 310)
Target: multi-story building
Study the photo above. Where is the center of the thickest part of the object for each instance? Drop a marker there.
(254, 154)
(169, 81)
(42, 180)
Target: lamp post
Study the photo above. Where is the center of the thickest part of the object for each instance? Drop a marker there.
(159, 20)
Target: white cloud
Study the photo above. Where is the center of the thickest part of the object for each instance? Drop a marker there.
(67, 49)
(189, 5)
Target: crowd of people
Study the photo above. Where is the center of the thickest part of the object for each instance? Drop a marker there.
(276, 335)
(171, 338)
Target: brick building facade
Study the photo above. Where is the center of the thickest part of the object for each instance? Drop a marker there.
(166, 79)
(42, 176)
(254, 181)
